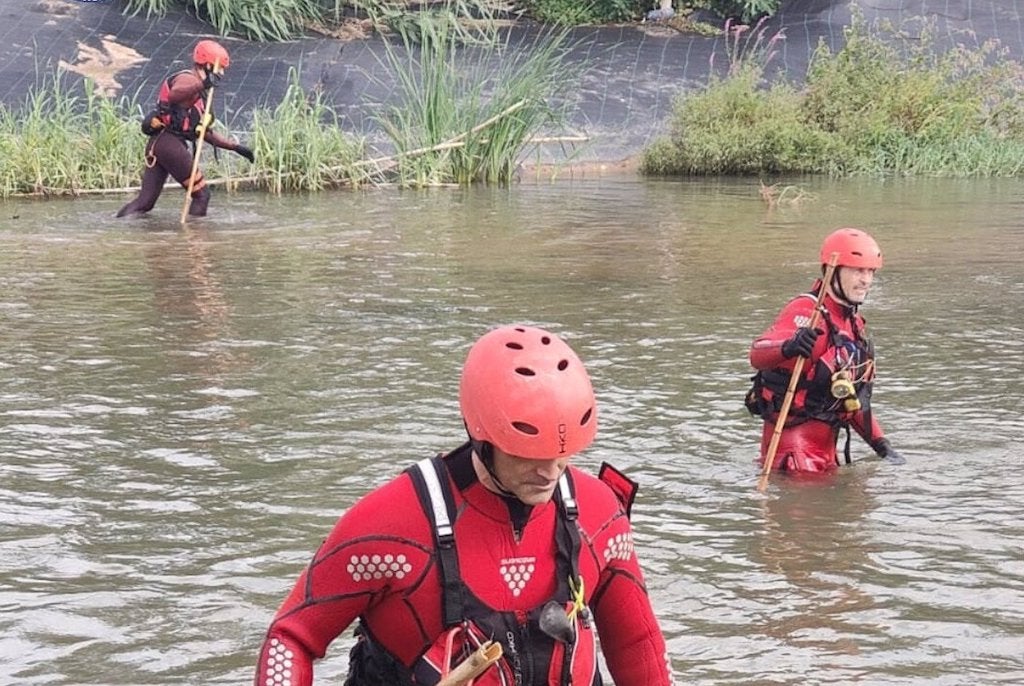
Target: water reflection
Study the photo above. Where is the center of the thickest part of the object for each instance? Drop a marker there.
(190, 308)
(812, 536)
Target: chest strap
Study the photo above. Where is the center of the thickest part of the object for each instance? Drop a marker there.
(430, 478)
(431, 481)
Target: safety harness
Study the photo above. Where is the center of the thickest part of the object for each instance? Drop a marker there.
(176, 119)
(430, 478)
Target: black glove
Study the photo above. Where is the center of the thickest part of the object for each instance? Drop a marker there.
(245, 152)
(211, 79)
(885, 451)
(802, 342)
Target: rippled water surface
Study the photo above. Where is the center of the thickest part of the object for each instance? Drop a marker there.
(185, 413)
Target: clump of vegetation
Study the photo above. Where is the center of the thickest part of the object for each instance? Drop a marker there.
(576, 13)
(64, 139)
(300, 145)
(264, 20)
(745, 11)
(470, 115)
(884, 104)
(277, 20)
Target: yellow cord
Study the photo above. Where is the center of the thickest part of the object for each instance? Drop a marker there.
(579, 603)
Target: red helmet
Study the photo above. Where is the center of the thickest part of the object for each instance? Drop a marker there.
(855, 248)
(210, 52)
(525, 391)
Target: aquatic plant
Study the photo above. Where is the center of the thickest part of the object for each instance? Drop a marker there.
(66, 137)
(891, 101)
(301, 145)
(469, 114)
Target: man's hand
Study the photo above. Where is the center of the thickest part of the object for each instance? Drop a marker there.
(802, 342)
(212, 78)
(245, 152)
(884, 450)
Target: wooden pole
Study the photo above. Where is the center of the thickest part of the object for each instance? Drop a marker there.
(473, 666)
(798, 368)
(199, 148)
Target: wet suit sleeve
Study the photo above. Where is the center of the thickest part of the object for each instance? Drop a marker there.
(766, 350)
(631, 639)
(217, 140)
(185, 89)
(349, 572)
(867, 427)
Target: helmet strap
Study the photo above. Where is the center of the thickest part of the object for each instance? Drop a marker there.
(839, 293)
(485, 451)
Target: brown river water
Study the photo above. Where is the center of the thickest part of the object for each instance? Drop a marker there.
(185, 413)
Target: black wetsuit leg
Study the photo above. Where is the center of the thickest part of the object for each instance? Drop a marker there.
(171, 156)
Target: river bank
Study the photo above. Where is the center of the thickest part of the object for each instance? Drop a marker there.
(631, 73)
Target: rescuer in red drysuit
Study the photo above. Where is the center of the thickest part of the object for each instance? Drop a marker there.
(499, 539)
(834, 391)
(179, 119)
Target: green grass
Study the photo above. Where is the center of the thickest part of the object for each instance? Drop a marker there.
(469, 115)
(464, 115)
(278, 20)
(262, 20)
(63, 140)
(886, 103)
(300, 145)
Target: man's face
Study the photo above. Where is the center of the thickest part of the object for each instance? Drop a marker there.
(856, 282)
(532, 481)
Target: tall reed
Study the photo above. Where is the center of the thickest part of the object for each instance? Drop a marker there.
(302, 145)
(67, 138)
(468, 114)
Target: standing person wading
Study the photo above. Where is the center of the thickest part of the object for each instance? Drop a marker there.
(833, 390)
(178, 120)
(498, 539)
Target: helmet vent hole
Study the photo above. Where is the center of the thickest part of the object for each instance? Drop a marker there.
(514, 346)
(528, 429)
(525, 371)
(586, 417)
(563, 365)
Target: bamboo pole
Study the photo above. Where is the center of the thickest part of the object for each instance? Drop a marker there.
(473, 666)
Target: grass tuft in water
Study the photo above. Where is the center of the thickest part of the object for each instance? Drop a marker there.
(67, 138)
(301, 145)
(469, 113)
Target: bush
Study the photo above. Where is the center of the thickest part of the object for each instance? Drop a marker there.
(576, 13)
(883, 104)
(746, 11)
(734, 128)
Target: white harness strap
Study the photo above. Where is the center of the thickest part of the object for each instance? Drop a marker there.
(568, 500)
(441, 521)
